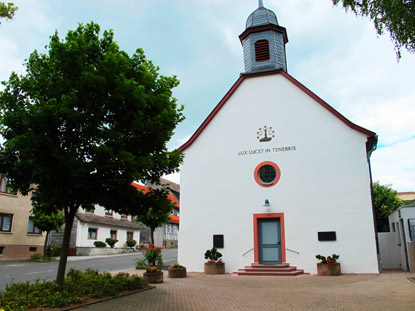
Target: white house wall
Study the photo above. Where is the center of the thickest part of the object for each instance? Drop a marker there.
(324, 185)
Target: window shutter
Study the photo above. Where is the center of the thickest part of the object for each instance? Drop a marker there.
(261, 50)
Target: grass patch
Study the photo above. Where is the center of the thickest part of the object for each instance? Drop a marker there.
(79, 287)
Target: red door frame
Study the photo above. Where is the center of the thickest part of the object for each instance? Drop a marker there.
(256, 236)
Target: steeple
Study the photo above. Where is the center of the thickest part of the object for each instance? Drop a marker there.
(263, 41)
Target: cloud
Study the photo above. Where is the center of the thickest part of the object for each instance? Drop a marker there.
(395, 165)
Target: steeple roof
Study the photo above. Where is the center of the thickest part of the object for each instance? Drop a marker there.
(261, 16)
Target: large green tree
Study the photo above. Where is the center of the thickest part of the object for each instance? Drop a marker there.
(386, 200)
(394, 16)
(8, 10)
(84, 122)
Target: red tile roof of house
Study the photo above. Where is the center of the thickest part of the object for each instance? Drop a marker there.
(173, 219)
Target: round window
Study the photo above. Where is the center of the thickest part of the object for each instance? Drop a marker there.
(267, 174)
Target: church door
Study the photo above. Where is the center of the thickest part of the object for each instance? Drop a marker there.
(269, 233)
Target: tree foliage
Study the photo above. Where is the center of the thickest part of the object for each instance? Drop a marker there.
(394, 16)
(8, 10)
(386, 200)
(157, 210)
(83, 123)
(48, 222)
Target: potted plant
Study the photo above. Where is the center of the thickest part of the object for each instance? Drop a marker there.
(328, 265)
(177, 271)
(153, 255)
(215, 265)
(153, 275)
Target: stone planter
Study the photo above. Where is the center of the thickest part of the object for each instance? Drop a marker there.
(156, 277)
(328, 269)
(177, 272)
(214, 267)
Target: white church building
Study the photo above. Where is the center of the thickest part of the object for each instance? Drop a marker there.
(274, 174)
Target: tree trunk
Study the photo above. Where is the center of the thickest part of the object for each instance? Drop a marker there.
(69, 217)
(152, 241)
(152, 235)
(45, 245)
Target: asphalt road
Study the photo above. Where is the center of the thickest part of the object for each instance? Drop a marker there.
(18, 271)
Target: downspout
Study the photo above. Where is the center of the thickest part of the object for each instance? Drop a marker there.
(371, 145)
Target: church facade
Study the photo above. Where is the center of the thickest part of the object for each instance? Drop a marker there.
(275, 173)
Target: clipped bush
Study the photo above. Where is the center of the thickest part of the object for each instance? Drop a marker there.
(131, 243)
(111, 242)
(100, 244)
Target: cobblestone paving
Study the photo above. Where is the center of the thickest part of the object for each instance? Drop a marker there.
(384, 292)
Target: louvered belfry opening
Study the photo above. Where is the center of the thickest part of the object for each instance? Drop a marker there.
(261, 50)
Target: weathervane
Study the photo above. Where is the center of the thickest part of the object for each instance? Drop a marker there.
(260, 4)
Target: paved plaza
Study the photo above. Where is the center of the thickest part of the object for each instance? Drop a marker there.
(383, 292)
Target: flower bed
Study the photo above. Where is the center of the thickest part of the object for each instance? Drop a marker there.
(79, 287)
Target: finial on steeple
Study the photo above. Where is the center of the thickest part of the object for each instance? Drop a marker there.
(260, 4)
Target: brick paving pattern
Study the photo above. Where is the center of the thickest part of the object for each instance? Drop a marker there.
(200, 292)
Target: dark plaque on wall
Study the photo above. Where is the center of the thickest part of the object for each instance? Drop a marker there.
(218, 240)
(327, 236)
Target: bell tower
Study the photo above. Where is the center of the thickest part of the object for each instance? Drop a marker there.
(263, 42)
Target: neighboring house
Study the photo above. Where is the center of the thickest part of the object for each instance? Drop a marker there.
(167, 235)
(18, 237)
(98, 225)
(398, 246)
(408, 197)
(274, 174)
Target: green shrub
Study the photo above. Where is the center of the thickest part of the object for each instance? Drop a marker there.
(36, 256)
(78, 287)
(131, 243)
(111, 242)
(140, 262)
(100, 244)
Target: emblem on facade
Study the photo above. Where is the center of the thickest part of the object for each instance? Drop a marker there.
(265, 134)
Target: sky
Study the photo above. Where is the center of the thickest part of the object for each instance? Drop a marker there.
(335, 54)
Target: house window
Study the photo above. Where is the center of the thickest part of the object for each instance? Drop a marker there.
(108, 212)
(31, 228)
(2, 250)
(92, 233)
(32, 249)
(6, 222)
(130, 236)
(3, 185)
(261, 50)
(411, 224)
(113, 234)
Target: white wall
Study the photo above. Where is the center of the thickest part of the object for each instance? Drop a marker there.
(401, 233)
(389, 251)
(324, 183)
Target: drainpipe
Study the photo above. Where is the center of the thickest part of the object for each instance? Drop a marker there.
(371, 145)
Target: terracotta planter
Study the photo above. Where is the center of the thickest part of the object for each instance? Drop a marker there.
(177, 272)
(328, 269)
(153, 277)
(214, 267)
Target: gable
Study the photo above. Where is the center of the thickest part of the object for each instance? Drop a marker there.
(371, 142)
